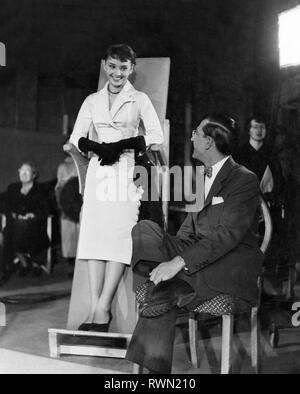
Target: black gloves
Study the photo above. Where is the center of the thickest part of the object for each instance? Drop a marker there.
(110, 153)
(137, 143)
(107, 153)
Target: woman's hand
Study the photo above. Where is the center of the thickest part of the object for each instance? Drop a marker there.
(108, 153)
(67, 147)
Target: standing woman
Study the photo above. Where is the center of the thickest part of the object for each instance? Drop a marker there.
(111, 200)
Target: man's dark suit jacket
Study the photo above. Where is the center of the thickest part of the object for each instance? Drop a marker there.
(219, 244)
(222, 239)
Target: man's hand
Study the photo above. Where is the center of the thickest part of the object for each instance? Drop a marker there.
(167, 270)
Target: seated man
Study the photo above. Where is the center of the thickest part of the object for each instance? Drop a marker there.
(215, 252)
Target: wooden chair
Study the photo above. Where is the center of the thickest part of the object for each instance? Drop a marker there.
(228, 317)
(151, 76)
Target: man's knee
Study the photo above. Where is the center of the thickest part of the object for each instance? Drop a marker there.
(145, 226)
(147, 229)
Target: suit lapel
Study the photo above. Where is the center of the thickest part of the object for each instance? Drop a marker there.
(218, 182)
(126, 95)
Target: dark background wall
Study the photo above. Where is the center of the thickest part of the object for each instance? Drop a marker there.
(223, 52)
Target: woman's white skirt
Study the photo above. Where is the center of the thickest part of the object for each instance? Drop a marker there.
(110, 210)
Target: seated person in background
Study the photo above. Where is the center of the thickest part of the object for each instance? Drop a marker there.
(214, 254)
(69, 225)
(259, 158)
(25, 234)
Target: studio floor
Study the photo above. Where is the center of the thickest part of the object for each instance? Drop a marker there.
(24, 345)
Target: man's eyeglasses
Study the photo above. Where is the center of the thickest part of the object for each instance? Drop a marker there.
(195, 132)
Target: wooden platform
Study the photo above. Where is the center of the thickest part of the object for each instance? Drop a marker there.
(87, 343)
(12, 362)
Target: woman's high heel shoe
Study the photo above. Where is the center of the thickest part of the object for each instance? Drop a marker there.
(101, 327)
(85, 327)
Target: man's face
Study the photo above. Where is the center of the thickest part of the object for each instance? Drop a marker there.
(257, 131)
(117, 72)
(200, 141)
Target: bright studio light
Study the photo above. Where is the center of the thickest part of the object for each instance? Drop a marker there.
(289, 37)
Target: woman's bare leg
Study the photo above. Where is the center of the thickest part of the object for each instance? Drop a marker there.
(113, 274)
(96, 269)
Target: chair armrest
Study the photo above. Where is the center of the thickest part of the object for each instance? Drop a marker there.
(160, 154)
(81, 163)
(268, 225)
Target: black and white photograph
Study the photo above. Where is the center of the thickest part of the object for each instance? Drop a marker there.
(149, 189)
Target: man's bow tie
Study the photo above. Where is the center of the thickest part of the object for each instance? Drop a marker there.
(208, 171)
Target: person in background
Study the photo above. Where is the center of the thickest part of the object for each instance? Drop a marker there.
(69, 228)
(258, 157)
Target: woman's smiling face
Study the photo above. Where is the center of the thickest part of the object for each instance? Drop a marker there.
(117, 72)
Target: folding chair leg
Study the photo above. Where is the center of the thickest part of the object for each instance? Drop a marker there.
(255, 341)
(53, 345)
(137, 369)
(227, 337)
(194, 340)
(2, 315)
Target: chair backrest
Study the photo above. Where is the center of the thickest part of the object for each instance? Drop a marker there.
(81, 163)
(151, 76)
(268, 227)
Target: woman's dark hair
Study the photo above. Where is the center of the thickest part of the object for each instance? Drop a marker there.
(223, 130)
(121, 52)
(33, 167)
